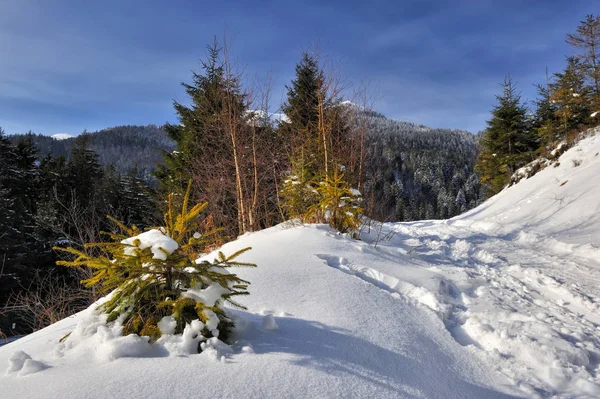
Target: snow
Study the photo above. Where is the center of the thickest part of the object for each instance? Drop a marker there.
(269, 323)
(62, 136)
(355, 192)
(167, 325)
(209, 295)
(337, 335)
(160, 244)
(502, 301)
(16, 361)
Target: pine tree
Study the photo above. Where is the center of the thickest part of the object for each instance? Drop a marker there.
(302, 101)
(571, 97)
(54, 188)
(460, 201)
(84, 172)
(587, 41)
(507, 143)
(195, 135)
(318, 139)
(20, 247)
(137, 204)
(215, 144)
(301, 108)
(545, 120)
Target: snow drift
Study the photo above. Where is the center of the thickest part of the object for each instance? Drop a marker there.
(503, 301)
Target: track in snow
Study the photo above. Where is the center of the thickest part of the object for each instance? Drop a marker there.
(523, 300)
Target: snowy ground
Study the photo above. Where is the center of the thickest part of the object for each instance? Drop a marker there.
(503, 301)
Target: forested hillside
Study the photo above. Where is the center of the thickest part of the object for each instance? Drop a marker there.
(412, 171)
(123, 147)
(416, 172)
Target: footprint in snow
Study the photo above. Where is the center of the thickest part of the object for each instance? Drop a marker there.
(22, 363)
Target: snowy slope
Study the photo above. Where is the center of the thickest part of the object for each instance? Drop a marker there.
(524, 268)
(502, 301)
(337, 336)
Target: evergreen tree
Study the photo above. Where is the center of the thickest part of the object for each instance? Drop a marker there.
(179, 291)
(301, 109)
(303, 94)
(214, 145)
(587, 41)
(338, 205)
(20, 248)
(196, 135)
(545, 120)
(571, 97)
(53, 188)
(318, 139)
(84, 172)
(461, 201)
(508, 143)
(137, 204)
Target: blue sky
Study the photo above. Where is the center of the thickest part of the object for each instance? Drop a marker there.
(66, 66)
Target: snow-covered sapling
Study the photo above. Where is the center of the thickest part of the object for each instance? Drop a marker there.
(156, 280)
(339, 205)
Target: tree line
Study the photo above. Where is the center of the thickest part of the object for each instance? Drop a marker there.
(567, 102)
(256, 171)
(123, 147)
(47, 201)
(325, 160)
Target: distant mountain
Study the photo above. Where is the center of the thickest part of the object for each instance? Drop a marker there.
(62, 136)
(411, 171)
(123, 147)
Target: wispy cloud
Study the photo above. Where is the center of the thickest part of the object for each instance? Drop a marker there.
(67, 65)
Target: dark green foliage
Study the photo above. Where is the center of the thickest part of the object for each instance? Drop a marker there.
(210, 138)
(19, 247)
(318, 139)
(300, 137)
(124, 147)
(303, 99)
(409, 168)
(572, 97)
(508, 142)
(83, 170)
(545, 120)
(48, 201)
(586, 43)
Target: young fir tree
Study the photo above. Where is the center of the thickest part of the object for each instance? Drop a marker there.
(507, 143)
(155, 278)
(586, 41)
(338, 204)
